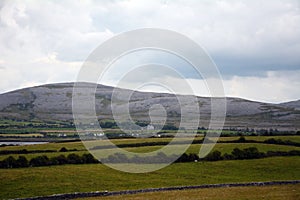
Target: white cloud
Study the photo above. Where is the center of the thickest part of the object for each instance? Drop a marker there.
(44, 42)
(252, 42)
(48, 70)
(276, 87)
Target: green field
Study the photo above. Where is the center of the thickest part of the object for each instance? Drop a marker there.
(48, 146)
(224, 148)
(37, 181)
(194, 148)
(80, 146)
(287, 192)
(294, 138)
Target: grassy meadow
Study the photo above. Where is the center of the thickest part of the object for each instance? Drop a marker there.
(194, 148)
(38, 181)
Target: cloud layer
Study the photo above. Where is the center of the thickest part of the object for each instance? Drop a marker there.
(255, 44)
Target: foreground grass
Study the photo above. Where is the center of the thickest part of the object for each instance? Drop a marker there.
(96, 177)
(287, 192)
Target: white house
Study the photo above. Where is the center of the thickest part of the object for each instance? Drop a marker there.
(150, 127)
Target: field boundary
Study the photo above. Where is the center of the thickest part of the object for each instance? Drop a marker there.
(125, 192)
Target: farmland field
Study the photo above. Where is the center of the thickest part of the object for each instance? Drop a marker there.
(194, 148)
(37, 181)
(128, 99)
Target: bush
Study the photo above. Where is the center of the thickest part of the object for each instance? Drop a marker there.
(9, 162)
(89, 158)
(193, 157)
(228, 156)
(74, 159)
(22, 161)
(60, 160)
(248, 153)
(280, 142)
(252, 153)
(242, 139)
(214, 156)
(39, 161)
(63, 149)
(237, 154)
(188, 157)
(294, 153)
(183, 158)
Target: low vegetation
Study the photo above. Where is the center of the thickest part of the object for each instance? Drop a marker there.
(68, 167)
(40, 157)
(96, 177)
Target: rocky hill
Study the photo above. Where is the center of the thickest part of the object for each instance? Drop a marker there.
(54, 102)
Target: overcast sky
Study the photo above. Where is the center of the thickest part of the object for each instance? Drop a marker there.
(255, 44)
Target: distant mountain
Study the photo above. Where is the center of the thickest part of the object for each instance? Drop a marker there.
(291, 104)
(54, 102)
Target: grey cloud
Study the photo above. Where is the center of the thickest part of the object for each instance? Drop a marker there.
(244, 38)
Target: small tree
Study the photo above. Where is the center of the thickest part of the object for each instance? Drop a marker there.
(183, 158)
(238, 154)
(9, 162)
(74, 159)
(61, 160)
(63, 149)
(39, 161)
(242, 139)
(88, 158)
(22, 161)
(252, 152)
(193, 157)
(214, 156)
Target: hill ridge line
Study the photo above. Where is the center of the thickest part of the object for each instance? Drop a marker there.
(71, 84)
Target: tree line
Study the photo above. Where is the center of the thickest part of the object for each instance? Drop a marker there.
(236, 154)
(21, 161)
(241, 139)
(25, 151)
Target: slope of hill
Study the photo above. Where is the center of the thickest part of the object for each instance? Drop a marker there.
(54, 102)
(291, 104)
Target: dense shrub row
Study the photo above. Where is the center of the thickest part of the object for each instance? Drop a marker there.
(159, 158)
(281, 142)
(236, 154)
(248, 153)
(25, 151)
(11, 162)
(159, 143)
(121, 158)
(242, 139)
(250, 132)
(144, 144)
